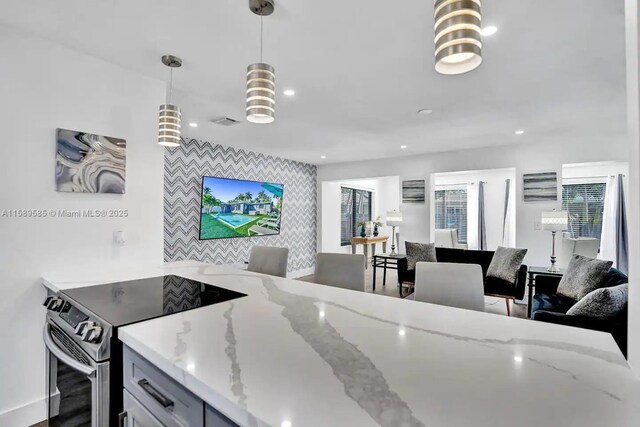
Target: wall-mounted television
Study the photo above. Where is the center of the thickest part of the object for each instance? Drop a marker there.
(235, 208)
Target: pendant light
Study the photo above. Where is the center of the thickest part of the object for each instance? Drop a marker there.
(457, 36)
(261, 77)
(170, 117)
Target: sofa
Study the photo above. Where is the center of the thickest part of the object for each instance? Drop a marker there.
(492, 286)
(550, 307)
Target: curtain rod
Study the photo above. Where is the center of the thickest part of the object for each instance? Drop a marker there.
(599, 176)
(459, 183)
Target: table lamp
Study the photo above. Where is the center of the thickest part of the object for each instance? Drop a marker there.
(394, 219)
(554, 221)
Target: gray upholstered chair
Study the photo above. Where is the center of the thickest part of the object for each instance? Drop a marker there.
(269, 260)
(453, 285)
(340, 270)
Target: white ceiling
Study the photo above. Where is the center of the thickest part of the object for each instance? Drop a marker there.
(361, 70)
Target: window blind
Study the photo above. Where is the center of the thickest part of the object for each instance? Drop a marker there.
(451, 211)
(585, 205)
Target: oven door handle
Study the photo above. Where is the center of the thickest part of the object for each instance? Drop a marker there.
(64, 357)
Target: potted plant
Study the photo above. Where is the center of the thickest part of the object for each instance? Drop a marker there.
(377, 223)
(363, 226)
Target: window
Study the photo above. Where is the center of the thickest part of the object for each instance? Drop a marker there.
(451, 211)
(355, 207)
(585, 204)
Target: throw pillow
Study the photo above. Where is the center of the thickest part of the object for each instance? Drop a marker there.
(583, 275)
(602, 303)
(419, 252)
(505, 264)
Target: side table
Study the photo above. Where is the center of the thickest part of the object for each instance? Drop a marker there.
(533, 272)
(385, 261)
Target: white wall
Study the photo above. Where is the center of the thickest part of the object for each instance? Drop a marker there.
(386, 197)
(494, 192)
(632, 13)
(531, 153)
(43, 87)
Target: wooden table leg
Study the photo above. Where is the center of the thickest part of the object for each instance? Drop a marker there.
(384, 247)
(373, 249)
(353, 249)
(366, 255)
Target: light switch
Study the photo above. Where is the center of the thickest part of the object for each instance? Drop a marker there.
(118, 238)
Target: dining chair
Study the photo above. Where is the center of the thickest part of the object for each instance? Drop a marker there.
(269, 260)
(450, 284)
(340, 270)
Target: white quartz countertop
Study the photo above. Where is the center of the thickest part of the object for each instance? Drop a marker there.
(312, 355)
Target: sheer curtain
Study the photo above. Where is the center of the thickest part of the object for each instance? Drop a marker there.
(608, 236)
(613, 240)
(508, 236)
(472, 216)
(482, 227)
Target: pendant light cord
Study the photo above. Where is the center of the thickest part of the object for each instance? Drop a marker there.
(261, 33)
(170, 83)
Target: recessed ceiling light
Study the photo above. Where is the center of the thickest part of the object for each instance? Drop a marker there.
(489, 30)
(425, 111)
(193, 125)
(289, 92)
(321, 313)
(403, 147)
(323, 157)
(519, 132)
(402, 332)
(285, 424)
(517, 359)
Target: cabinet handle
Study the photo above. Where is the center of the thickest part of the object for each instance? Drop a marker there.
(122, 416)
(159, 397)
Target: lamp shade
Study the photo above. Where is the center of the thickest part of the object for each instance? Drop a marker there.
(555, 221)
(394, 218)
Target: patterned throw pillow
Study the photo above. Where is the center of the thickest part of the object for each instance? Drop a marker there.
(582, 276)
(419, 252)
(602, 303)
(505, 264)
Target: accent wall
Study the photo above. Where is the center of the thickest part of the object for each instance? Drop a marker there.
(184, 168)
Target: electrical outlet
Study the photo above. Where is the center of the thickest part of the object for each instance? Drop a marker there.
(118, 238)
(537, 226)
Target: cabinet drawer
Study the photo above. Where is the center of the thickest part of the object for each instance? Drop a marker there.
(136, 414)
(171, 403)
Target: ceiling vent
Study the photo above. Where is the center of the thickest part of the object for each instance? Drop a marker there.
(225, 121)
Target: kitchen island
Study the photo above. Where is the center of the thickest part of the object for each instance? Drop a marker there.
(292, 353)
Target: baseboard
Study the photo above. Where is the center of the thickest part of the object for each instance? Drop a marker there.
(26, 415)
(301, 273)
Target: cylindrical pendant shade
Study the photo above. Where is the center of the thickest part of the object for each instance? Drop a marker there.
(261, 93)
(169, 125)
(457, 36)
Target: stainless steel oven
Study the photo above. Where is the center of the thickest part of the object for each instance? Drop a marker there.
(78, 387)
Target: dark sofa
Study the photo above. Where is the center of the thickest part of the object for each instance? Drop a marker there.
(492, 286)
(550, 307)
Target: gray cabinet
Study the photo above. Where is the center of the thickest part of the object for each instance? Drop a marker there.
(137, 415)
(153, 399)
(213, 418)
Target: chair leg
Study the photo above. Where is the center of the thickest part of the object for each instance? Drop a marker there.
(508, 308)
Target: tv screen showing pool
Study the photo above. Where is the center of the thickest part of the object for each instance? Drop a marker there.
(236, 208)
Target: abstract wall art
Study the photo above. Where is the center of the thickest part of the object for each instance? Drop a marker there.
(89, 163)
(540, 187)
(413, 191)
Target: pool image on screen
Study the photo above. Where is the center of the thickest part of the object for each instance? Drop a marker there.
(236, 208)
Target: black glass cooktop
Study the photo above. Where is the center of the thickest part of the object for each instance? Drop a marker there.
(122, 303)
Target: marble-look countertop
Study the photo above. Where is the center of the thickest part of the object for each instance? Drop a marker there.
(300, 354)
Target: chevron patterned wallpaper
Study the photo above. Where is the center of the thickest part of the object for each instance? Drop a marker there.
(183, 170)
